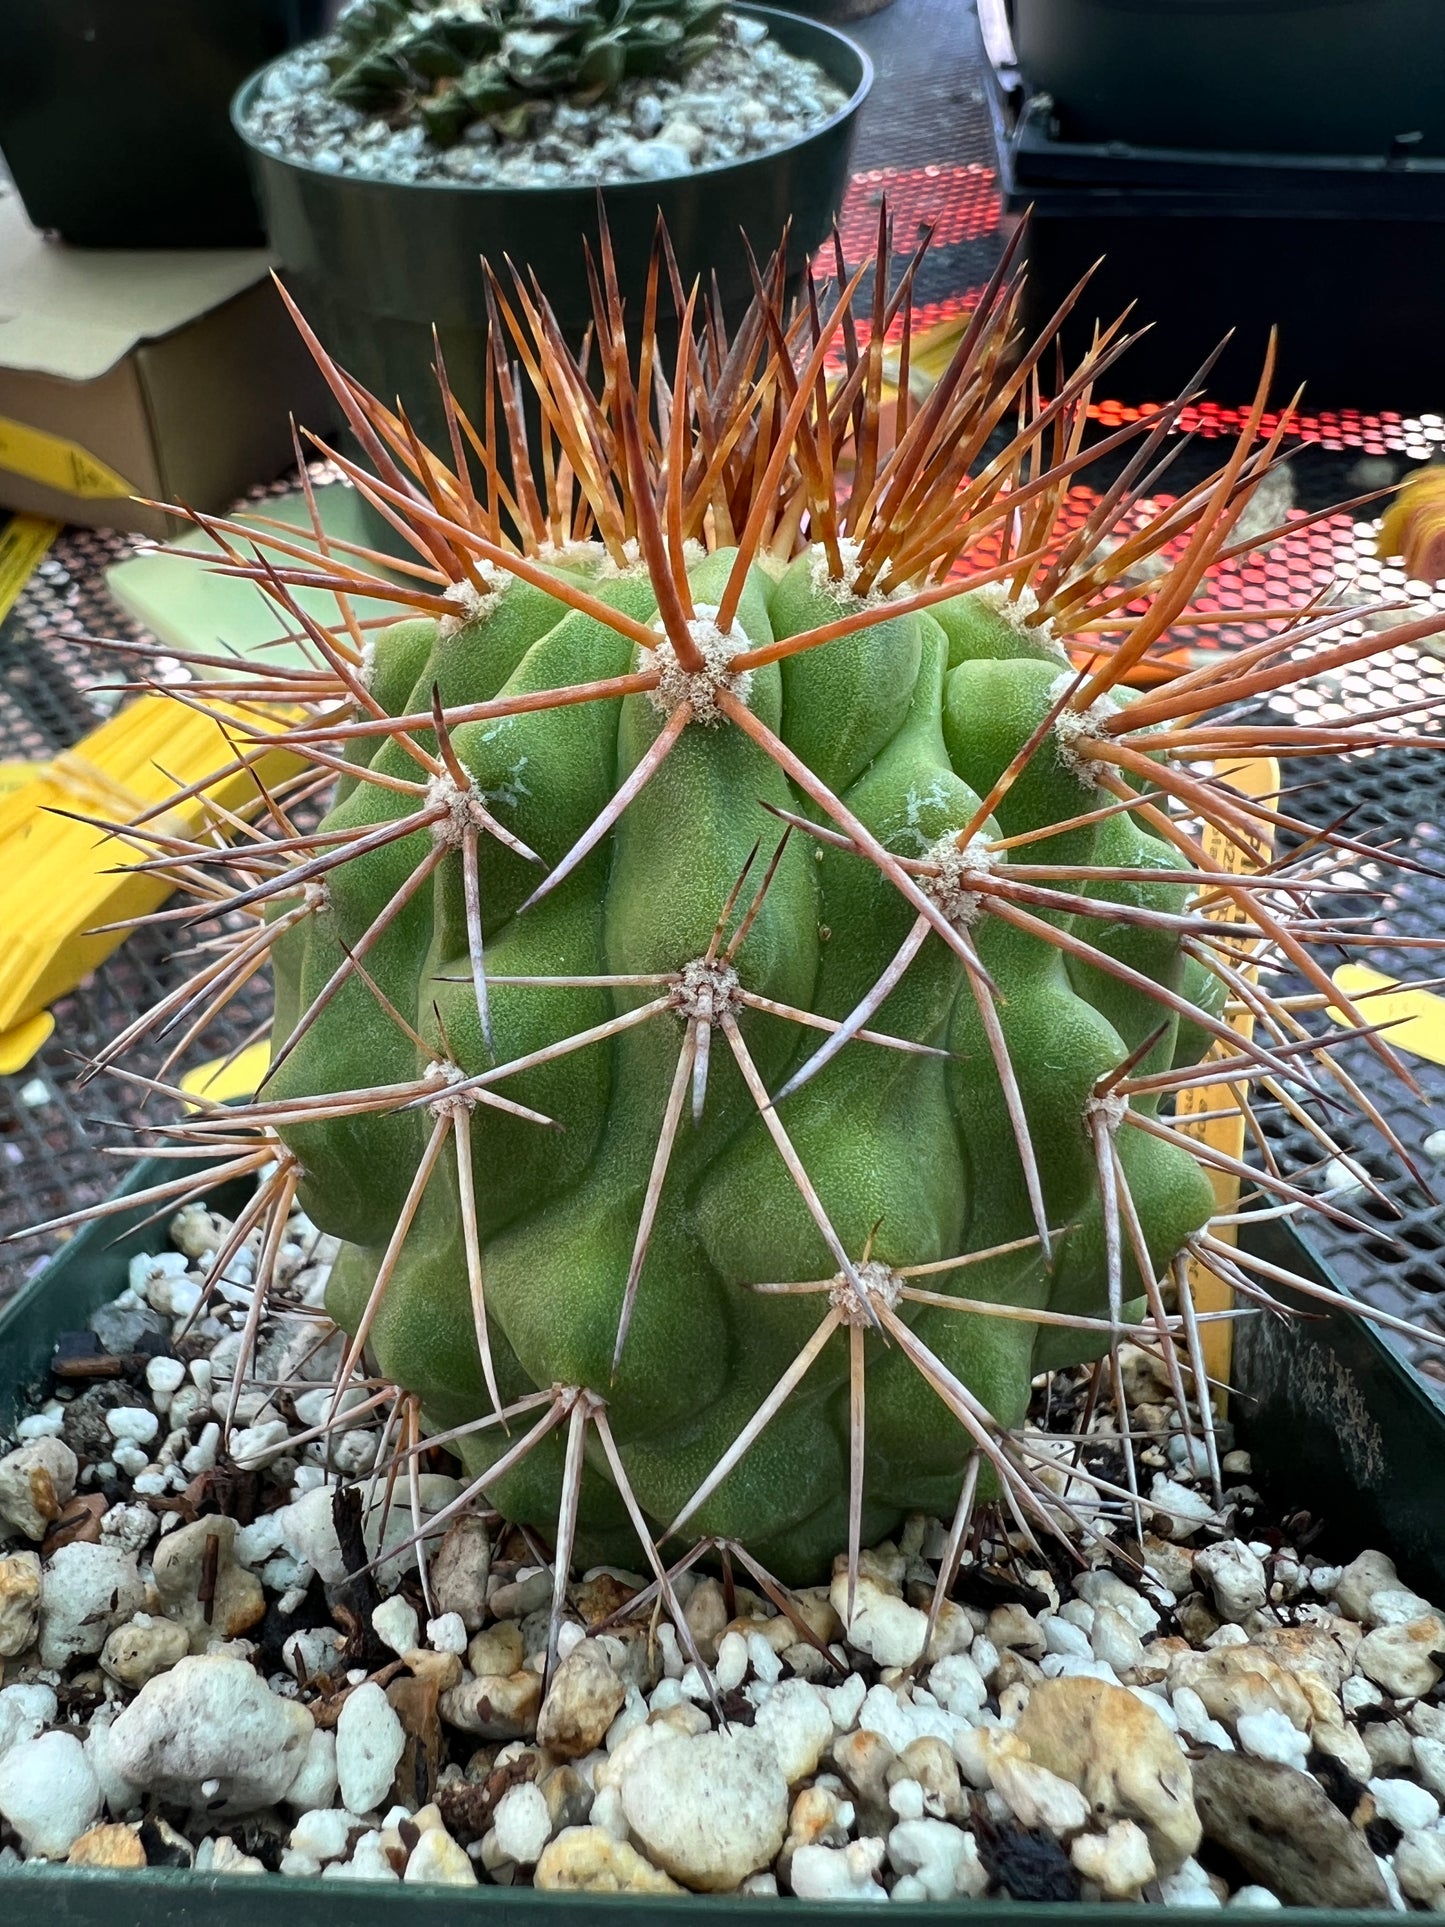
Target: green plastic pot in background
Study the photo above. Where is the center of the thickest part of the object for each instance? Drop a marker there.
(113, 114)
(1336, 1424)
(376, 263)
(1264, 76)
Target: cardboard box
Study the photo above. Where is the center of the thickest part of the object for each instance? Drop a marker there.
(169, 375)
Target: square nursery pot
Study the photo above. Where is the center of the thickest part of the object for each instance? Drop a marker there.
(374, 264)
(113, 114)
(1327, 1410)
(1343, 252)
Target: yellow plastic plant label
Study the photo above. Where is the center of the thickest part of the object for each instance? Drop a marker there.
(1211, 1112)
(1416, 1017)
(20, 1043)
(23, 542)
(56, 463)
(224, 1078)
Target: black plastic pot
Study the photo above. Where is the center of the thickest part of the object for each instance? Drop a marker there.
(376, 263)
(1270, 76)
(113, 114)
(1345, 255)
(1336, 1424)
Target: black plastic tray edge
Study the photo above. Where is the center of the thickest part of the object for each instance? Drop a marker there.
(91, 1267)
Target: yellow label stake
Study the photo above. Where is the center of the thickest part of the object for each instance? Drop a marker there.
(56, 463)
(1211, 1112)
(23, 542)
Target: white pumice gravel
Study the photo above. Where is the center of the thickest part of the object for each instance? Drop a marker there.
(745, 98)
(193, 1651)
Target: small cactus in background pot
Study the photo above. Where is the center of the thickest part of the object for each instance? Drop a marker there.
(738, 1007)
(467, 60)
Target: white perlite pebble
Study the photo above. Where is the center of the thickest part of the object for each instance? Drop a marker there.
(1271, 1735)
(24, 1710)
(796, 1725)
(1118, 1862)
(135, 1423)
(448, 1634)
(315, 1783)
(839, 1873)
(522, 1824)
(1407, 1805)
(395, 1625)
(1420, 1867)
(1235, 1576)
(212, 1718)
(942, 1858)
(48, 1793)
(323, 1833)
(1188, 1888)
(1254, 1897)
(884, 1626)
(731, 1668)
(958, 1684)
(709, 1810)
(165, 1376)
(86, 1592)
(370, 1740)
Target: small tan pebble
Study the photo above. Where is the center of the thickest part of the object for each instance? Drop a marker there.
(35, 1482)
(706, 1615)
(1016, 1675)
(143, 1647)
(1121, 1756)
(953, 1632)
(588, 1860)
(604, 1594)
(1174, 1564)
(182, 1563)
(1037, 1798)
(816, 1815)
(1323, 1650)
(497, 1649)
(582, 1701)
(1013, 1628)
(415, 1703)
(497, 1706)
(1401, 1658)
(460, 1568)
(1158, 1656)
(437, 1859)
(863, 1759)
(1232, 1680)
(108, 1846)
(19, 1602)
(1236, 1464)
(684, 1718)
(568, 1796)
(978, 1748)
(1196, 1618)
(1360, 1580)
(929, 1760)
(444, 1670)
(1118, 1862)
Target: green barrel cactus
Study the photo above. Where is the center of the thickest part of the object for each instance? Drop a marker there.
(736, 1010)
(913, 1157)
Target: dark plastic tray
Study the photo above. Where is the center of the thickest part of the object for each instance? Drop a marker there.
(1345, 254)
(1325, 1406)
